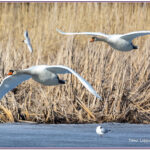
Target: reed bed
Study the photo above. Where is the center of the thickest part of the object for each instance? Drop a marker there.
(121, 78)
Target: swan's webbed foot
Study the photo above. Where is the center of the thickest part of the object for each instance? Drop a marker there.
(61, 81)
(134, 47)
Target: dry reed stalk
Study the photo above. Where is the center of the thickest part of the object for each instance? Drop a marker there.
(8, 114)
(85, 108)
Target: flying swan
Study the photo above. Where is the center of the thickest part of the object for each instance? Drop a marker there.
(122, 42)
(44, 74)
(27, 41)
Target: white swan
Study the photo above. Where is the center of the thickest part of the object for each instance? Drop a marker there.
(122, 42)
(44, 74)
(27, 41)
(100, 130)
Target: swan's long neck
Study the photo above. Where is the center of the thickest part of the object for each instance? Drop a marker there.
(104, 39)
(24, 72)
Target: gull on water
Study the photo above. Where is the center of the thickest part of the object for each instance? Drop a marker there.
(100, 130)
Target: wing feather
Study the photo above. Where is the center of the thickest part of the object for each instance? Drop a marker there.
(130, 36)
(59, 69)
(11, 82)
(83, 33)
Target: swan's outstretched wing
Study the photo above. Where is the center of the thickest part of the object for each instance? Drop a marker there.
(130, 36)
(83, 33)
(27, 41)
(58, 69)
(11, 82)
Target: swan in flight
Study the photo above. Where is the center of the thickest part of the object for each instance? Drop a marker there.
(44, 74)
(122, 42)
(27, 41)
(100, 130)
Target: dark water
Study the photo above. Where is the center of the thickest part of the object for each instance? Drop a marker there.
(74, 135)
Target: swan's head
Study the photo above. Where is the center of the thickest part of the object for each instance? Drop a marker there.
(93, 39)
(11, 72)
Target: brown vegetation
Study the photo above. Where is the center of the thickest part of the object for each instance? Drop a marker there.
(121, 78)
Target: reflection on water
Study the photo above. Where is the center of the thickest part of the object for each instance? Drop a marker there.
(73, 135)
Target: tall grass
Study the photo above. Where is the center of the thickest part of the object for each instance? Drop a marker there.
(121, 78)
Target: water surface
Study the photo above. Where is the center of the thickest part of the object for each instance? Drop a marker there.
(74, 135)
